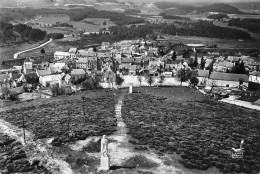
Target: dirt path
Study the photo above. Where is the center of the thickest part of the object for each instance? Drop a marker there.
(17, 54)
(121, 150)
(36, 149)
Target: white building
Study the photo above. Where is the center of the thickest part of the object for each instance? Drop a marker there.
(58, 55)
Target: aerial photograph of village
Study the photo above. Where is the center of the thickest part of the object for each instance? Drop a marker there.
(129, 86)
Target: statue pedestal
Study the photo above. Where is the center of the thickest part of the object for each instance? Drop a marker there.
(130, 89)
(104, 163)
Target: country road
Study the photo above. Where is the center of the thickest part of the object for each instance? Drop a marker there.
(16, 54)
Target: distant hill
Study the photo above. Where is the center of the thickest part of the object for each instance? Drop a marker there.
(221, 7)
(247, 5)
(165, 4)
(177, 9)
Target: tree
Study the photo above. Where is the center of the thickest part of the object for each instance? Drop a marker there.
(241, 68)
(195, 62)
(6, 92)
(161, 80)
(37, 34)
(140, 79)
(119, 80)
(42, 51)
(202, 63)
(88, 83)
(150, 79)
(174, 56)
(182, 75)
(194, 81)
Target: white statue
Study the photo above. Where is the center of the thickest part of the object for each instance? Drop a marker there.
(104, 161)
(104, 146)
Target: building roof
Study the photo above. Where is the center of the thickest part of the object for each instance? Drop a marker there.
(224, 64)
(43, 72)
(61, 53)
(30, 75)
(203, 73)
(195, 45)
(257, 102)
(85, 60)
(86, 53)
(73, 50)
(255, 73)
(55, 70)
(78, 72)
(228, 77)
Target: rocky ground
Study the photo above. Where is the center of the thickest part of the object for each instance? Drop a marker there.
(64, 120)
(203, 136)
(13, 158)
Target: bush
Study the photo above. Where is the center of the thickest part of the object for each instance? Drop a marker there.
(55, 35)
(5, 91)
(194, 81)
(13, 96)
(119, 80)
(88, 83)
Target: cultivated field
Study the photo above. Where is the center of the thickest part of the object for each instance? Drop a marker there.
(202, 136)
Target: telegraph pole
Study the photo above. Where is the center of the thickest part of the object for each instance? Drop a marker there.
(23, 131)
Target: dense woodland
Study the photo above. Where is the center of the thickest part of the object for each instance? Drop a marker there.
(118, 18)
(167, 16)
(218, 16)
(19, 33)
(201, 29)
(252, 25)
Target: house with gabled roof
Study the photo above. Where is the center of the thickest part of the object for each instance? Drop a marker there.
(227, 79)
(88, 63)
(77, 73)
(44, 72)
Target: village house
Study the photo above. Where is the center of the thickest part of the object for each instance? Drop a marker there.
(85, 53)
(77, 73)
(254, 80)
(27, 67)
(105, 45)
(203, 76)
(43, 72)
(254, 66)
(89, 63)
(59, 55)
(224, 66)
(48, 79)
(227, 79)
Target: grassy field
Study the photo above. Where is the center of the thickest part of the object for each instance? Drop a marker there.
(221, 43)
(202, 136)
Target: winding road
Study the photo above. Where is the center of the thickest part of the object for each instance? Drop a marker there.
(16, 54)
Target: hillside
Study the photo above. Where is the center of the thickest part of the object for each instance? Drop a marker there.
(176, 9)
(221, 7)
(247, 5)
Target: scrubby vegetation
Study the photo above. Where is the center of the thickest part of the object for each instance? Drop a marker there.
(65, 120)
(203, 136)
(13, 158)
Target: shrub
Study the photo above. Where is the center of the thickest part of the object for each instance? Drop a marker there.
(119, 80)
(5, 91)
(13, 96)
(194, 81)
(150, 79)
(88, 83)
